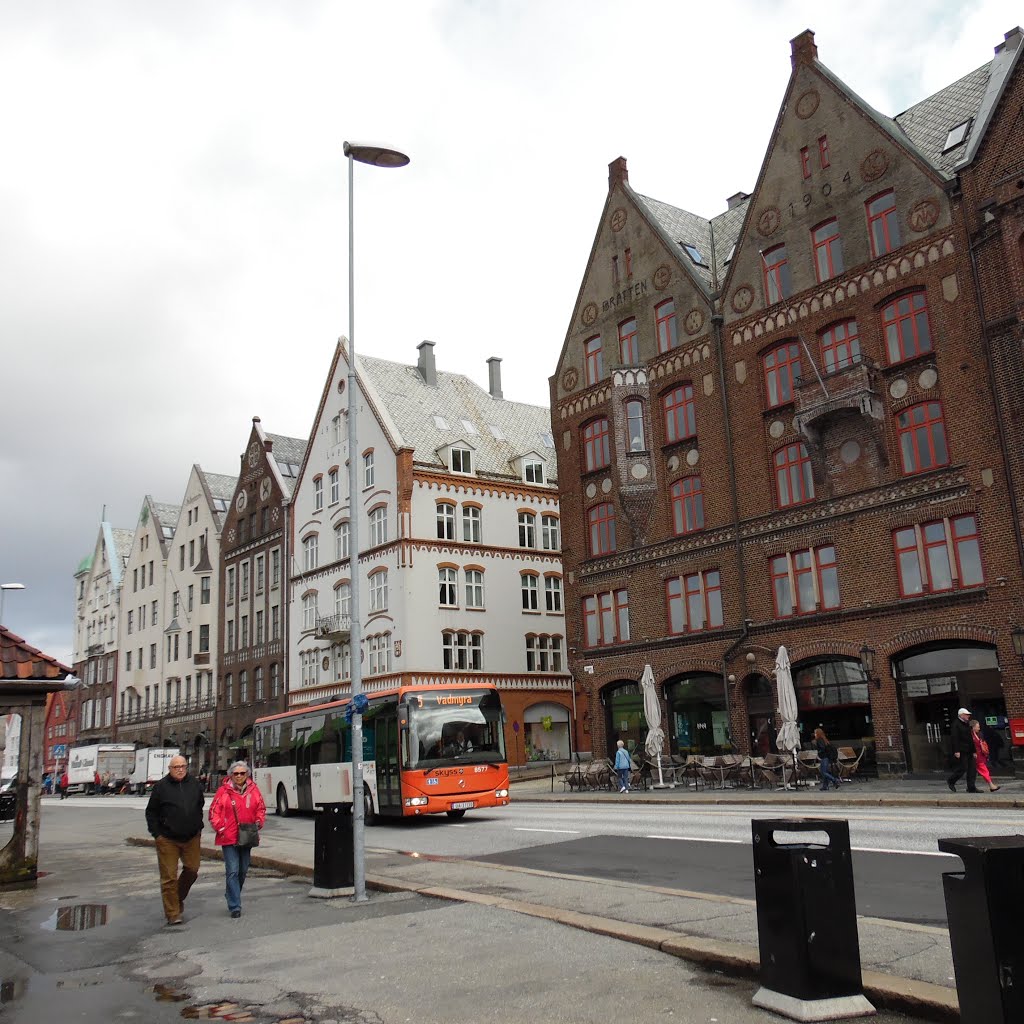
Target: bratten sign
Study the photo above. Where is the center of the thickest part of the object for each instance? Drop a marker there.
(632, 292)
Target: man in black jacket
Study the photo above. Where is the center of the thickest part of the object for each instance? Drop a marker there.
(962, 748)
(174, 817)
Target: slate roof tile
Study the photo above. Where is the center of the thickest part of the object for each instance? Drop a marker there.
(20, 660)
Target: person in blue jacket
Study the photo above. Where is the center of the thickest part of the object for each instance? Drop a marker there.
(623, 765)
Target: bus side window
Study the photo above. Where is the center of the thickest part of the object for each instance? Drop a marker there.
(369, 741)
(330, 747)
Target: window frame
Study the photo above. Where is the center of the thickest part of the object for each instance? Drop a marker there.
(606, 618)
(666, 327)
(680, 413)
(596, 444)
(686, 500)
(629, 344)
(444, 518)
(786, 459)
(686, 592)
(887, 222)
(636, 432)
(827, 250)
(593, 360)
(893, 322)
(777, 279)
(601, 529)
(783, 569)
(830, 344)
(529, 590)
(924, 430)
(777, 372)
(527, 528)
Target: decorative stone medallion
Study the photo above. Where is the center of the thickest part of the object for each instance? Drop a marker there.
(694, 321)
(618, 220)
(638, 471)
(275, 514)
(662, 276)
(807, 104)
(874, 165)
(928, 379)
(265, 488)
(776, 428)
(231, 535)
(326, 663)
(606, 485)
(923, 215)
(570, 379)
(850, 452)
(591, 490)
(898, 388)
(768, 221)
(242, 500)
(341, 386)
(589, 314)
(673, 463)
(742, 298)
(692, 457)
(254, 454)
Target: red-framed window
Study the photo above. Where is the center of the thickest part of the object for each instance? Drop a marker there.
(922, 437)
(823, 151)
(606, 618)
(694, 601)
(804, 582)
(778, 284)
(596, 445)
(594, 359)
(906, 327)
(680, 413)
(665, 325)
(629, 350)
(601, 520)
(941, 555)
(840, 346)
(828, 250)
(636, 436)
(687, 505)
(805, 162)
(781, 370)
(794, 482)
(883, 223)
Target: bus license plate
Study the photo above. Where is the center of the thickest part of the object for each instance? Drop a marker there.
(463, 805)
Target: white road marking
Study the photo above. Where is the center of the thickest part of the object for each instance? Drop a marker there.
(559, 831)
(855, 849)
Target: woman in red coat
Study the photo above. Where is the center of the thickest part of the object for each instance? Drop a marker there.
(238, 801)
(981, 755)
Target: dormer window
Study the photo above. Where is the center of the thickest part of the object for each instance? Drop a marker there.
(533, 471)
(462, 460)
(956, 135)
(694, 253)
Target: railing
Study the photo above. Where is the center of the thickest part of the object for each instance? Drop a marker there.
(95, 649)
(172, 707)
(852, 387)
(333, 627)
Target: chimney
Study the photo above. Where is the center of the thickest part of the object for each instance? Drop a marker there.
(736, 198)
(1011, 40)
(617, 173)
(803, 49)
(426, 363)
(494, 377)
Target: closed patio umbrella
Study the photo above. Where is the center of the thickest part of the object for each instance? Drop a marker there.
(788, 737)
(652, 712)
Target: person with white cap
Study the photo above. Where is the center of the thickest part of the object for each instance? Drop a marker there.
(962, 748)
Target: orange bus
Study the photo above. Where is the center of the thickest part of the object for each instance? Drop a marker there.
(426, 750)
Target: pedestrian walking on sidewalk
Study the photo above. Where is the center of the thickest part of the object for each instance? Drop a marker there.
(623, 765)
(64, 783)
(238, 803)
(174, 817)
(827, 757)
(961, 743)
(981, 755)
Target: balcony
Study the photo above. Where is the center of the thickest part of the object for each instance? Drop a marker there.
(95, 650)
(336, 628)
(854, 389)
(201, 658)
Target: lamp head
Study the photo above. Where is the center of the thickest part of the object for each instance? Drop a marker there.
(376, 154)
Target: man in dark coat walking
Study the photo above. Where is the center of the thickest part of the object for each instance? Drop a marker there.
(962, 749)
(174, 817)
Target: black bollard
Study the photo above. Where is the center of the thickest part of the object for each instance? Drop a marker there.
(333, 872)
(807, 922)
(983, 904)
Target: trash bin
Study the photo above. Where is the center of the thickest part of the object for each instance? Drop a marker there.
(332, 847)
(807, 921)
(983, 904)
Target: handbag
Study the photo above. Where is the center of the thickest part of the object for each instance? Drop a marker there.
(248, 833)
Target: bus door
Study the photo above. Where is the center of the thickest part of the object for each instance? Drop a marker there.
(303, 759)
(389, 781)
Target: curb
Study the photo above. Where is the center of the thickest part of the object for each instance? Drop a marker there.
(919, 998)
(693, 800)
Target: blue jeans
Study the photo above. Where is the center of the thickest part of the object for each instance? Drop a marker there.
(623, 778)
(236, 867)
(826, 774)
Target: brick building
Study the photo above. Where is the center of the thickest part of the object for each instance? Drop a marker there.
(798, 424)
(253, 609)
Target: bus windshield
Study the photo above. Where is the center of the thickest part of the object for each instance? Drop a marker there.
(453, 727)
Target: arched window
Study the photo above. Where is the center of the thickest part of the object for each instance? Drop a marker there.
(635, 438)
(530, 590)
(378, 581)
(629, 350)
(602, 529)
(778, 284)
(687, 505)
(840, 346)
(922, 437)
(445, 520)
(680, 413)
(906, 327)
(781, 370)
(665, 325)
(594, 359)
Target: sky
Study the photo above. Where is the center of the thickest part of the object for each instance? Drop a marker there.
(173, 207)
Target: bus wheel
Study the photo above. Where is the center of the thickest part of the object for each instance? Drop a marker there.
(282, 802)
(455, 814)
(369, 818)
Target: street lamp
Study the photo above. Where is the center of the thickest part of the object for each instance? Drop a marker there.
(376, 156)
(1017, 636)
(4, 587)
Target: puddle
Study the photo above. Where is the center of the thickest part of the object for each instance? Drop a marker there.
(77, 918)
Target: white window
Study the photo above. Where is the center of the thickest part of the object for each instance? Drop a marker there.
(549, 536)
(318, 493)
(530, 592)
(341, 535)
(368, 469)
(379, 650)
(445, 521)
(533, 472)
(553, 594)
(245, 586)
(543, 653)
(343, 600)
(310, 553)
(472, 524)
(309, 611)
(463, 650)
(336, 429)
(462, 460)
(379, 591)
(527, 530)
(448, 587)
(334, 487)
(257, 675)
(379, 526)
(275, 567)
(260, 573)
(474, 588)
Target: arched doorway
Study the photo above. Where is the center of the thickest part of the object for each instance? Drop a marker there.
(933, 682)
(761, 704)
(624, 710)
(834, 694)
(698, 720)
(546, 733)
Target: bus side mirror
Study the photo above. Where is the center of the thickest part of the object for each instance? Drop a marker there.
(403, 716)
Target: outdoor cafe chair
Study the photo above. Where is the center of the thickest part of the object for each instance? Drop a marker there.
(849, 762)
(688, 768)
(774, 770)
(808, 760)
(572, 777)
(712, 768)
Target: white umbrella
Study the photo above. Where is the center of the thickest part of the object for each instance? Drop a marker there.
(652, 712)
(788, 737)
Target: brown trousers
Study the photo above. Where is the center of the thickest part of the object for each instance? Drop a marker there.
(174, 887)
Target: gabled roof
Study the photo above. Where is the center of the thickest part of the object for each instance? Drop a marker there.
(684, 228)
(218, 485)
(498, 430)
(20, 660)
(290, 451)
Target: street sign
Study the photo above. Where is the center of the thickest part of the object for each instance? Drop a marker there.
(58, 750)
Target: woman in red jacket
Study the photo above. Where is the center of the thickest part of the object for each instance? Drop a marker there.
(238, 801)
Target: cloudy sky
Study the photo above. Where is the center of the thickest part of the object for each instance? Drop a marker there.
(173, 247)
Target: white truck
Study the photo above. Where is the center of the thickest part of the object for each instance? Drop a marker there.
(150, 766)
(85, 763)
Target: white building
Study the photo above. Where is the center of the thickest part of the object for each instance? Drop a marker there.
(460, 567)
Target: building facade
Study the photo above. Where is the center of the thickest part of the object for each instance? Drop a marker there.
(253, 588)
(459, 562)
(780, 427)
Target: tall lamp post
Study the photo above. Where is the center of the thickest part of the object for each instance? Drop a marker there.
(4, 587)
(376, 156)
